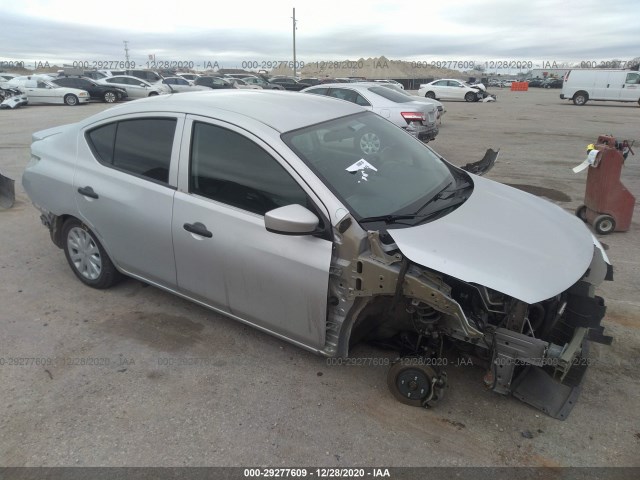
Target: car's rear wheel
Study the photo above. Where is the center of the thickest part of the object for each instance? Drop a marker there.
(580, 98)
(470, 97)
(430, 95)
(110, 97)
(71, 100)
(86, 256)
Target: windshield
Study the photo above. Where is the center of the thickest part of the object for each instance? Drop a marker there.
(372, 166)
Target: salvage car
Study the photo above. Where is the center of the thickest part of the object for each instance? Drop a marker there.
(40, 89)
(449, 89)
(261, 206)
(416, 117)
(105, 93)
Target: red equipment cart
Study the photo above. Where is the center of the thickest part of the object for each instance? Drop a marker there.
(608, 205)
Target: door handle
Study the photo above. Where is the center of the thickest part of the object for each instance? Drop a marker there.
(87, 192)
(198, 229)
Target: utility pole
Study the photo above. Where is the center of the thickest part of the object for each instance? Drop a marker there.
(126, 52)
(294, 42)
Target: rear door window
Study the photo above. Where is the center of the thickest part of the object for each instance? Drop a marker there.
(141, 147)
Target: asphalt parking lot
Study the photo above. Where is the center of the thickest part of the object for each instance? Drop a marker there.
(134, 376)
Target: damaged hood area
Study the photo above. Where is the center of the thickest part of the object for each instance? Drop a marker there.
(504, 239)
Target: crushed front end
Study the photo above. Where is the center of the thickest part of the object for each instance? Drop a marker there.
(536, 352)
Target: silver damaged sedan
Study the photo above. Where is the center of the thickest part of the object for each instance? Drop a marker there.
(262, 206)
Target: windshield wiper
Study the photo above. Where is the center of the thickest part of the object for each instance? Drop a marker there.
(388, 218)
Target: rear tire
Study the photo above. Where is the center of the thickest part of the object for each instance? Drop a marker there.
(580, 98)
(71, 100)
(86, 256)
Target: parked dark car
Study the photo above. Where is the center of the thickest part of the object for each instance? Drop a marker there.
(96, 91)
(213, 82)
(552, 83)
(536, 82)
(289, 83)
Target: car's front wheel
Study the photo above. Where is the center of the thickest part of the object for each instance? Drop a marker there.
(71, 100)
(430, 95)
(86, 256)
(110, 97)
(470, 97)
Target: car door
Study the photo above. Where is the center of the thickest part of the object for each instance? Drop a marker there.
(40, 92)
(125, 180)
(224, 255)
(630, 90)
(441, 89)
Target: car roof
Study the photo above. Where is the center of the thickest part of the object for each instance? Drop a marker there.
(281, 110)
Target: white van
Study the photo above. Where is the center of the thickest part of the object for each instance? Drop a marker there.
(594, 84)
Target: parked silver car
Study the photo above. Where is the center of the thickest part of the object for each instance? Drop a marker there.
(262, 206)
(135, 87)
(417, 118)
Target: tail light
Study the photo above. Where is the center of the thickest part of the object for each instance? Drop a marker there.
(413, 116)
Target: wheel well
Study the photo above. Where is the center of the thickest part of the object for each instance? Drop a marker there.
(581, 92)
(55, 229)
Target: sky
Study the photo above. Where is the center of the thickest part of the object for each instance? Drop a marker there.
(233, 33)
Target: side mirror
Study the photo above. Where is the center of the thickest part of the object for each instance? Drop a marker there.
(291, 220)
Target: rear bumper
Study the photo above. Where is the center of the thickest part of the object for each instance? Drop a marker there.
(562, 96)
(424, 133)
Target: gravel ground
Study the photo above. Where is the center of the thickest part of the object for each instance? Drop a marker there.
(179, 385)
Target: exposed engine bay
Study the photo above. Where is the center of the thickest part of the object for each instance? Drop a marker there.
(536, 352)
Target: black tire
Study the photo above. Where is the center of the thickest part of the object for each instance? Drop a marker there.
(368, 143)
(410, 384)
(580, 98)
(110, 97)
(470, 97)
(86, 256)
(430, 95)
(71, 100)
(153, 94)
(581, 212)
(604, 224)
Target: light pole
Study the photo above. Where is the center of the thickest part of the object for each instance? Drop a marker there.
(294, 42)
(126, 52)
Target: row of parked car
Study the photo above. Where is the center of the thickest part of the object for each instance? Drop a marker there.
(113, 86)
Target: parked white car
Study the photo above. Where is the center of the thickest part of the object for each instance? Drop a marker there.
(450, 89)
(135, 87)
(179, 84)
(239, 83)
(39, 89)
